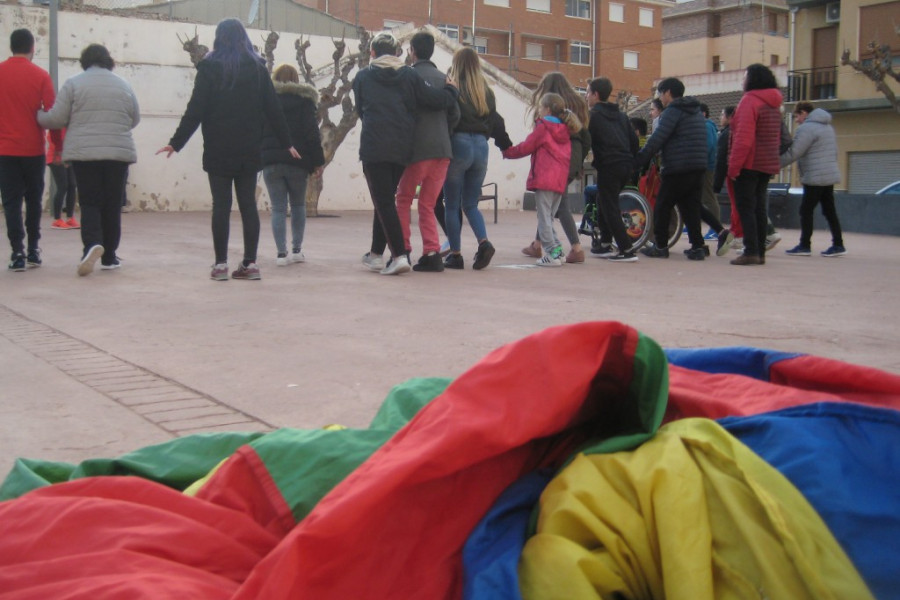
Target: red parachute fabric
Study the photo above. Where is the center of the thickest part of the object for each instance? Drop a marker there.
(396, 526)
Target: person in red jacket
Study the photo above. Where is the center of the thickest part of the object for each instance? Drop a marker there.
(550, 151)
(25, 88)
(754, 157)
(64, 179)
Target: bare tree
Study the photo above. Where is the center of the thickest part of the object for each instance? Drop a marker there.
(880, 68)
(271, 42)
(193, 47)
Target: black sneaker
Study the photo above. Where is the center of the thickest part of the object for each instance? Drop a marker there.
(655, 252)
(34, 258)
(17, 262)
(483, 255)
(705, 250)
(603, 250)
(454, 261)
(430, 263)
(624, 257)
(726, 240)
(698, 253)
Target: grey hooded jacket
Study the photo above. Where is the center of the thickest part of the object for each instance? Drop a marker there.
(815, 150)
(99, 110)
(433, 127)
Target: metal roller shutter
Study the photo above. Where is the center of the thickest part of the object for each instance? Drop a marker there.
(871, 171)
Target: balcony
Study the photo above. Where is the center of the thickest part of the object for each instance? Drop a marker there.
(812, 84)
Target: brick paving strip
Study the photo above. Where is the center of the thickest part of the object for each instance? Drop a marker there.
(171, 406)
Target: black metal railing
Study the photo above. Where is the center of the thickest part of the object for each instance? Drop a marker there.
(812, 84)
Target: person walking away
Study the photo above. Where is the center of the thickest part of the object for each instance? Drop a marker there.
(720, 178)
(98, 109)
(465, 175)
(555, 82)
(681, 139)
(754, 157)
(709, 204)
(25, 88)
(431, 153)
(285, 176)
(388, 94)
(232, 97)
(815, 150)
(64, 182)
(614, 144)
(550, 150)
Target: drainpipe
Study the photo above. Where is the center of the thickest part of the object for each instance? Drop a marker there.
(429, 13)
(54, 44)
(594, 50)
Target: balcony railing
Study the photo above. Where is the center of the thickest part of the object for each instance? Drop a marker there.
(812, 84)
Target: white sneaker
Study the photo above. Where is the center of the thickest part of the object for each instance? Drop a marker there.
(281, 261)
(373, 261)
(445, 248)
(772, 240)
(297, 257)
(397, 265)
(86, 266)
(549, 261)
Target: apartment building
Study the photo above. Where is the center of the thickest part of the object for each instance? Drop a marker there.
(867, 125)
(619, 39)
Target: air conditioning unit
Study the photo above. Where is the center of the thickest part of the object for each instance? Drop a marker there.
(833, 12)
(468, 38)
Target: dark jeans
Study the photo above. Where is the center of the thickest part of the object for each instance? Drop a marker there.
(383, 178)
(22, 179)
(683, 189)
(100, 185)
(245, 190)
(750, 196)
(64, 179)
(609, 184)
(813, 195)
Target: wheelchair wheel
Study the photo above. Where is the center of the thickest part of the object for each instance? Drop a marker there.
(676, 226)
(637, 217)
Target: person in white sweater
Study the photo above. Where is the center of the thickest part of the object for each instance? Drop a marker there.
(815, 150)
(99, 110)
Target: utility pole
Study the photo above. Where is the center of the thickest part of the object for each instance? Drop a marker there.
(54, 44)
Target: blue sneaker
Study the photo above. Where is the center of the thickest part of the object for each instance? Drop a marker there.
(834, 251)
(799, 251)
(711, 235)
(17, 262)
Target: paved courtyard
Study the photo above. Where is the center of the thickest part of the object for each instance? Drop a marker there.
(100, 365)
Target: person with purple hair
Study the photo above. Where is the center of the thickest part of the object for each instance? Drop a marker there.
(232, 96)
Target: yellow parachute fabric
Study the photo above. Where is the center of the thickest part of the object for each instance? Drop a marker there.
(690, 514)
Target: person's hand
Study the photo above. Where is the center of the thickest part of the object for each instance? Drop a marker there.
(57, 159)
(451, 81)
(168, 149)
(318, 172)
(294, 153)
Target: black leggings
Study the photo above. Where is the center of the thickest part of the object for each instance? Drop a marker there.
(245, 190)
(64, 180)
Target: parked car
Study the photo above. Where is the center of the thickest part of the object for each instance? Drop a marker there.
(892, 189)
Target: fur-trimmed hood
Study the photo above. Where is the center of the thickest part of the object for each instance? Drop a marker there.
(304, 90)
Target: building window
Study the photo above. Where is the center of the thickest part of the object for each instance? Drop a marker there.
(646, 17)
(500, 3)
(716, 64)
(538, 5)
(715, 25)
(578, 8)
(617, 13)
(631, 60)
(773, 60)
(480, 44)
(389, 24)
(534, 51)
(772, 22)
(580, 53)
(451, 31)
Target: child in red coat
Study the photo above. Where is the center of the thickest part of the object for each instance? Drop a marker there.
(550, 150)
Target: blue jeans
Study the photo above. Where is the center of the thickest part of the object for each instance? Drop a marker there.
(287, 182)
(463, 186)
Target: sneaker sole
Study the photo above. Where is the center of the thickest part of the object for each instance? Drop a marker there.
(110, 267)
(798, 253)
(623, 260)
(484, 260)
(397, 270)
(86, 267)
(834, 255)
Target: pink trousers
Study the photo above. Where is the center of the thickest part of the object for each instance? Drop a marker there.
(428, 176)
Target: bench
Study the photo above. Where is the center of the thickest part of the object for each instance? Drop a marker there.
(486, 196)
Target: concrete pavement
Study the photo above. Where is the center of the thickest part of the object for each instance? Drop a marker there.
(100, 365)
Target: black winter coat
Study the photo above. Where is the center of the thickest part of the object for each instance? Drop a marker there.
(681, 136)
(298, 102)
(613, 140)
(387, 100)
(231, 118)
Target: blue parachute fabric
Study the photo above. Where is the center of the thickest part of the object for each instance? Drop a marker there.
(491, 554)
(739, 360)
(844, 458)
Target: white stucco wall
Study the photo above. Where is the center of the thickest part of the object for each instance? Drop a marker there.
(149, 56)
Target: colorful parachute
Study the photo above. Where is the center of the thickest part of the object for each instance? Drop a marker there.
(579, 462)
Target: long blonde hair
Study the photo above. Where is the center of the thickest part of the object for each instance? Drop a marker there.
(556, 106)
(466, 70)
(555, 82)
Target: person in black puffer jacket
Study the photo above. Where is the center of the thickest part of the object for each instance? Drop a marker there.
(286, 176)
(232, 97)
(681, 137)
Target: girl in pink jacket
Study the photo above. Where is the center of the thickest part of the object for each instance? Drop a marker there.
(550, 150)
